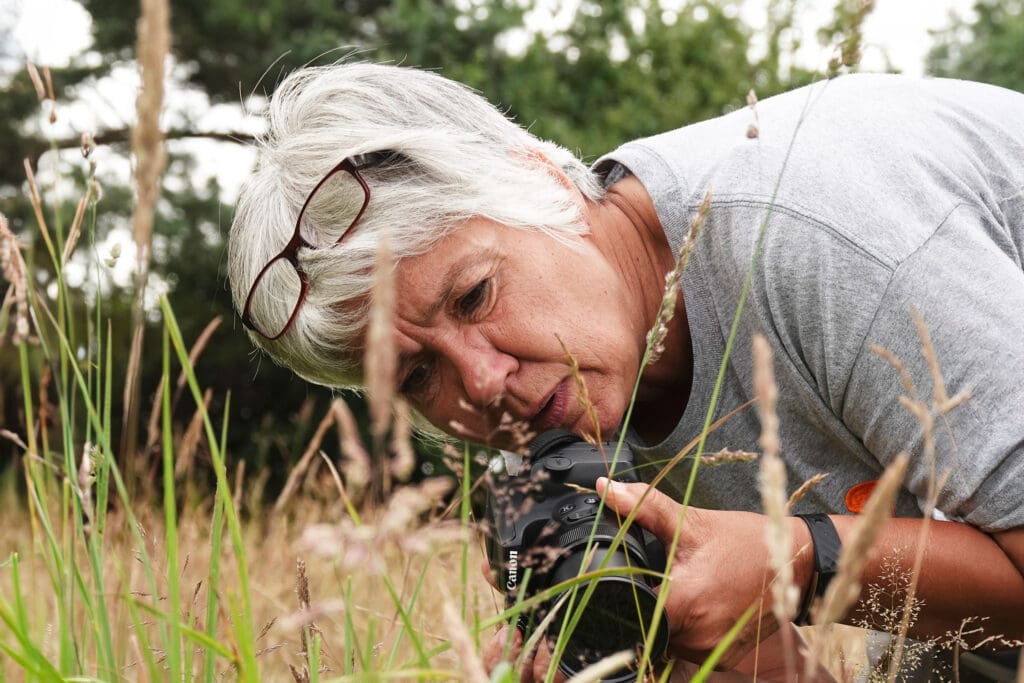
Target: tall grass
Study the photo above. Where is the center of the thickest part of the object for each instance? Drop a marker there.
(98, 585)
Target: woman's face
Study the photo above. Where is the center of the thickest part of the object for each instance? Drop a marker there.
(478, 324)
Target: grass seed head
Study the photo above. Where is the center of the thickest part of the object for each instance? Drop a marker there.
(381, 360)
(12, 264)
(845, 587)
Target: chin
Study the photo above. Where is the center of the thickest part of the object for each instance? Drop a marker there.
(609, 425)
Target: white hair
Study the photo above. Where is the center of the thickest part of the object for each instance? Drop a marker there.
(465, 159)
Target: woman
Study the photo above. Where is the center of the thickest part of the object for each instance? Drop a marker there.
(875, 196)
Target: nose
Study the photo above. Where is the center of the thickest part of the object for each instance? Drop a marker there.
(484, 371)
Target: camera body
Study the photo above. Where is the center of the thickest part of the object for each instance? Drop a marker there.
(546, 521)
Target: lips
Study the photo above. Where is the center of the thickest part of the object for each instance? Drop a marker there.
(552, 413)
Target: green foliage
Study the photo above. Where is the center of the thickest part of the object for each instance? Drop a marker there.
(608, 73)
(989, 48)
(615, 72)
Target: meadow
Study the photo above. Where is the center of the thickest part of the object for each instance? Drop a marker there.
(355, 572)
(110, 574)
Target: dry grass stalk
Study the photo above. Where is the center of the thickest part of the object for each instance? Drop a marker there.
(804, 488)
(189, 444)
(239, 480)
(305, 624)
(582, 394)
(75, 232)
(14, 438)
(462, 644)
(926, 415)
(381, 358)
(356, 461)
(86, 478)
(851, 15)
(37, 82)
(44, 93)
(12, 264)
(772, 482)
(37, 205)
(754, 129)
(845, 587)
(303, 464)
(193, 356)
(340, 486)
(152, 47)
(363, 547)
(516, 434)
(673, 279)
(49, 86)
(607, 667)
(403, 457)
(726, 456)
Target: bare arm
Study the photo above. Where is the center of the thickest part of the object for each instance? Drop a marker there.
(721, 569)
(965, 573)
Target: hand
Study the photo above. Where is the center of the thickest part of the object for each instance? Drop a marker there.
(507, 645)
(720, 569)
(533, 668)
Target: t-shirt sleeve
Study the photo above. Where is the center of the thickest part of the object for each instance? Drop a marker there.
(967, 285)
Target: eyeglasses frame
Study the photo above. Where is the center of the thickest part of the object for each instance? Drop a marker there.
(351, 165)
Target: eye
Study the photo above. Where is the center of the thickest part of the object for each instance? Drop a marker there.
(474, 300)
(417, 381)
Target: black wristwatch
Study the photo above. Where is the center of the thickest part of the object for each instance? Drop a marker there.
(827, 546)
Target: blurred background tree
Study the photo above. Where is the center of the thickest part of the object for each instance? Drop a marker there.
(987, 47)
(607, 73)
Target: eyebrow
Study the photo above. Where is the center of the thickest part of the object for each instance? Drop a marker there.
(450, 278)
(448, 283)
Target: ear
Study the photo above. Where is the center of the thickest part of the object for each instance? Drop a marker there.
(541, 160)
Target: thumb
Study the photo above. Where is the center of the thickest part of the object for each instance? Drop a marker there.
(655, 511)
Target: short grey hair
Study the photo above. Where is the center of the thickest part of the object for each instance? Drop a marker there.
(465, 160)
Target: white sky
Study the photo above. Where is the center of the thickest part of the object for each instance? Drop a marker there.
(50, 31)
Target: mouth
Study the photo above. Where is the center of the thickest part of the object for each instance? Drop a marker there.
(552, 413)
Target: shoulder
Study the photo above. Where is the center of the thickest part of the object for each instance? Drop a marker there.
(858, 156)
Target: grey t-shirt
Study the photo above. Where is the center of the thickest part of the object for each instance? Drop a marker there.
(883, 195)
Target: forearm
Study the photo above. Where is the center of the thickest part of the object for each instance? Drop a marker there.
(965, 573)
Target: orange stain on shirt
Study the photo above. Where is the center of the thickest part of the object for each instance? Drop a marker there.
(858, 495)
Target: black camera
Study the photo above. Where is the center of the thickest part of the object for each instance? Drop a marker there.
(546, 521)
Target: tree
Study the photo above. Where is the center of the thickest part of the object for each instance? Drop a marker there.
(617, 71)
(987, 48)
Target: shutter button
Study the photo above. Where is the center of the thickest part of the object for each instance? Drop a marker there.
(558, 463)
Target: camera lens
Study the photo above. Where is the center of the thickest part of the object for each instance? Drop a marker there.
(617, 616)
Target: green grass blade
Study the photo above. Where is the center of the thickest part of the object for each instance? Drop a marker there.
(173, 644)
(396, 599)
(31, 658)
(405, 619)
(248, 669)
(216, 540)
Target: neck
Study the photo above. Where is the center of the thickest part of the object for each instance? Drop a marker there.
(626, 228)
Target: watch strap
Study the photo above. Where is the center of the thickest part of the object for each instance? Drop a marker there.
(827, 546)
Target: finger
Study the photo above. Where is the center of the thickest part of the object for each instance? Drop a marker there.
(657, 513)
(542, 663)
(485, 569)
(504, 647)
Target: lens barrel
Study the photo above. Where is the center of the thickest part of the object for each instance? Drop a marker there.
(621, 607)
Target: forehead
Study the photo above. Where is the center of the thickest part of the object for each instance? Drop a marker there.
(421, 279)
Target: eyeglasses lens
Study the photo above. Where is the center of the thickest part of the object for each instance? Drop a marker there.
(333, 208)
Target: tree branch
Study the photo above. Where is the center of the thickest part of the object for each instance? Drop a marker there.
(37, 146)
